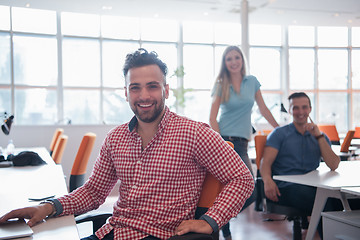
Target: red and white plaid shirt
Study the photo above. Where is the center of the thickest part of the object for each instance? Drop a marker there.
(160, 185)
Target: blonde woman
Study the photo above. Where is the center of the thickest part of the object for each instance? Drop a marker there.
(234, 93)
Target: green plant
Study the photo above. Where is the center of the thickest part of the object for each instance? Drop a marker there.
(180, 92)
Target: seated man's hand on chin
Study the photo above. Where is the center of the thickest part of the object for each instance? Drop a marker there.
(196, 226)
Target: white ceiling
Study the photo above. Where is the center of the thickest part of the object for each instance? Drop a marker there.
(287, 12)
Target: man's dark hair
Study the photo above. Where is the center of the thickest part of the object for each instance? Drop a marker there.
(299, 95)
(142, 57)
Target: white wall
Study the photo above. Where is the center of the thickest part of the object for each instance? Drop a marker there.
(34, 136)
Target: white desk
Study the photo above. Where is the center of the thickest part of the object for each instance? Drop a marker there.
(343, 155)
(355, 142)
(17, 184)
(351, 190)
(329, 184)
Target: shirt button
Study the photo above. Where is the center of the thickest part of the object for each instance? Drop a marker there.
(134, 187)
(139, 162)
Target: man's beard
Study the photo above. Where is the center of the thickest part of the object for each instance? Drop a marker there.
(148, 116)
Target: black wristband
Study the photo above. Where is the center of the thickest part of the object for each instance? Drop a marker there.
(320, 136)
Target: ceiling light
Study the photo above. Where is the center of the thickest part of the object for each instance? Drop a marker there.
(27, 5)
(206, 14)
(107, 7)
(336, 14)
(350, 21)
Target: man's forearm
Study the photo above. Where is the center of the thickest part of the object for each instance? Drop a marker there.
(328, 155)
(265, 171)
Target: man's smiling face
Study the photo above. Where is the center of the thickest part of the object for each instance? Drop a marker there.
(146, 92)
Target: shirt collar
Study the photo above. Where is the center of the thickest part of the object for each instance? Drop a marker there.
(133, 122)
(293, 128)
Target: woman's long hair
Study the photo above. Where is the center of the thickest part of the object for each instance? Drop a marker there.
(223, 80)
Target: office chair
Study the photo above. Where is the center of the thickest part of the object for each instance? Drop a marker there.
(58, 132)
(263, 204)
(59, 149)
(357, 132)
(265, 132)
(346, 145)
(331, 131)
(347, 140)
(211, 188)
(78, 170)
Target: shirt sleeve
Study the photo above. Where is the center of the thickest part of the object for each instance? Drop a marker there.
(274, 139)
(327, 139)
(225, 164)
(257, 84)
(95, 190)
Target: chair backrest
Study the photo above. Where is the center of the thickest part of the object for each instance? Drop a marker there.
(78, 170)
(260, 141)
(331, 131)
(59, 149)
(58, 132)
(264, 132)
(347, 140)
(211, 188)
(357, 132)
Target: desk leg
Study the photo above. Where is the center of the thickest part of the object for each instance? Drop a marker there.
(320, 200)
(319, 204)
(344, 201)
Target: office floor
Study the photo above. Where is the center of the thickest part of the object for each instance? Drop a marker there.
(248, 225)
(252, 225)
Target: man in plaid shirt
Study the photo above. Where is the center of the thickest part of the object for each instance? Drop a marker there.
(161, 160)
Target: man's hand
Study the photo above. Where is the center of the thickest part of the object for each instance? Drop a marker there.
(35, 214)
(271, 190)
(312, 128)
(196, 226)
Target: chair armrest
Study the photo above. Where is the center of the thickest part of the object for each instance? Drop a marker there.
(97, 219)
(193, 236)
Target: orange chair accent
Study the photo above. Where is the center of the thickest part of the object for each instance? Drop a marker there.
(59, 149)
(211, 188)
(77, 175)
(347, 140)
(264, 132)
(260, 141)
(292, 214)
(357, 132)
(331, 131)
(58, 132)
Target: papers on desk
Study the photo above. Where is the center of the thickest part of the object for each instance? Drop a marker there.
(15, 229)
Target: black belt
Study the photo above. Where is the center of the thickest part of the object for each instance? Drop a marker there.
(235, 138)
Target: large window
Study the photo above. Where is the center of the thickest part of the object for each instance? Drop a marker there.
(5, 58)
(333, 69)
(301, 70)
(71, 71)
(35, 60)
